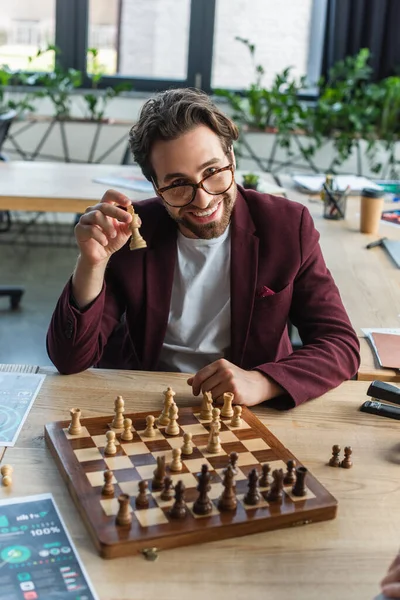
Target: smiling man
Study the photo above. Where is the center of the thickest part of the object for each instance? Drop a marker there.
(223, 272)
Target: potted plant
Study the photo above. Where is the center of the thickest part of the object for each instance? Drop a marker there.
(250, 181)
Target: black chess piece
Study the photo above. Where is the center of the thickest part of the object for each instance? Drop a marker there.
(233, 458)
(179, 508)
(108, 488)
(203, 504)
(290, 476)
(168, 489)
(299, 488)
(142, 499)
(275, 493)
(253, 495)
(335, 460)
(158, 474)
(347, 462)
(227, 500)
(265, 479)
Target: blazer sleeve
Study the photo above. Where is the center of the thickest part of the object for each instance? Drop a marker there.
(330, 351)
(76, 338)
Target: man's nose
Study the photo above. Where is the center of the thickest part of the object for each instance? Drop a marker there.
(202, 199)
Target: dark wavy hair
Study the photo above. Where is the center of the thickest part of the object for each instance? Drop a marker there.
(171, 114)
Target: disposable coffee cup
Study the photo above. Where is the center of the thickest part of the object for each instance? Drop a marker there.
(371, 210)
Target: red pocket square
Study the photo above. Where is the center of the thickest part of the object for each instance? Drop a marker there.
(264, 292)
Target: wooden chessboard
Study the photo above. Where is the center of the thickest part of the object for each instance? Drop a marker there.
(82, 461)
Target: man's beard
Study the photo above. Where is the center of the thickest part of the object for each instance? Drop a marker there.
(214, 229)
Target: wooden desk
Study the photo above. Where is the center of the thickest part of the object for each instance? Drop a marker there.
(343, 558)
(57, 187)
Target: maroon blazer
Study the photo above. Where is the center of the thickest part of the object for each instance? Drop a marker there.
(277, 274)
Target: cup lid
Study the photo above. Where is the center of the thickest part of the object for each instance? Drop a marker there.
(372, 193)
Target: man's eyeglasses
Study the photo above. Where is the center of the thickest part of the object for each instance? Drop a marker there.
(181, 194)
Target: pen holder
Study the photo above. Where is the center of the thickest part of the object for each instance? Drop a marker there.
(335, 205)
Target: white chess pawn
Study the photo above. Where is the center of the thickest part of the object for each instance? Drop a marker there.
(187, 447)
(172, 428)
(236, 419)
(216, 417)
(176, 464)
(227, 410)
(149, 431)
(127, 434)
(110, 448)
(119, 405)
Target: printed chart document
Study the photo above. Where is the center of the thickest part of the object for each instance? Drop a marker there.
(38, 559)
(17, 394)
(313, 183)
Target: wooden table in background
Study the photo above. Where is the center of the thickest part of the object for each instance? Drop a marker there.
(344, 558)
(58, 187)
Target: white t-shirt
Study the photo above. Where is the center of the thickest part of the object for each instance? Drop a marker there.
(199, 320)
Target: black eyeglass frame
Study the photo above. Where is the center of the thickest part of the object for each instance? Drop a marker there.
(196, 186)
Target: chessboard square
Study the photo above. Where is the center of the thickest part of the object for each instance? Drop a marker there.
(84, 433)
(129, 487)
(219, 462)
(266, 456)
(162, 503)
(136, 448)
(213, 513)
(262, 504)
(86, 454)
(97, 478)
(117, 462)
(234, 447)
(256, 444)
(81, 443)
(227, 437)
(101, 440)
(151, 516)
(240, 476)
(216, 491)
(196, 429)
(146, 471)
(175, 442)
(167, 454)
(158, 445)
(115, 429)
(140, 460)
(308, 496)
(243, 425)
(197, 415)
(188, 479)
(111, 506)
(157, 436)
(194, 465)
(246, 458)
(187, 419)
(204, 451)
(130, 474)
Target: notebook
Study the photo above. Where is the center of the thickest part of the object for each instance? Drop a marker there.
(387, 347)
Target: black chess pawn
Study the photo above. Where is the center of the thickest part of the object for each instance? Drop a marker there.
(108, 488)
(233, 458)
(203, 504)
(227, 500)
(179, 508)
(142, 500)
(265, 479)
(347, 462)
(335, 460)
(276, 490)
(253, 495)
(290, 476)
(168, 489)
(299, 488)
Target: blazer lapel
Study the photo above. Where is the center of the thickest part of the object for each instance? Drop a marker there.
(160, 264)
(244, 268)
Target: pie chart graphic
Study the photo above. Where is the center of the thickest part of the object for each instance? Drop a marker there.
(15, 554)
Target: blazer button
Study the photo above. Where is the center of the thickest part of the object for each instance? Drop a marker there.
(69, 330)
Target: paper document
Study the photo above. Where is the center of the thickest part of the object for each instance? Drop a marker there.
(385, 343)
(138, 183)
(313, 183)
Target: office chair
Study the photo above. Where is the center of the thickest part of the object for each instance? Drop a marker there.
(14, 292)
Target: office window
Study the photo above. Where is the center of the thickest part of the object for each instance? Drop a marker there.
(141, 38)
(281, 32)
(26, 26)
